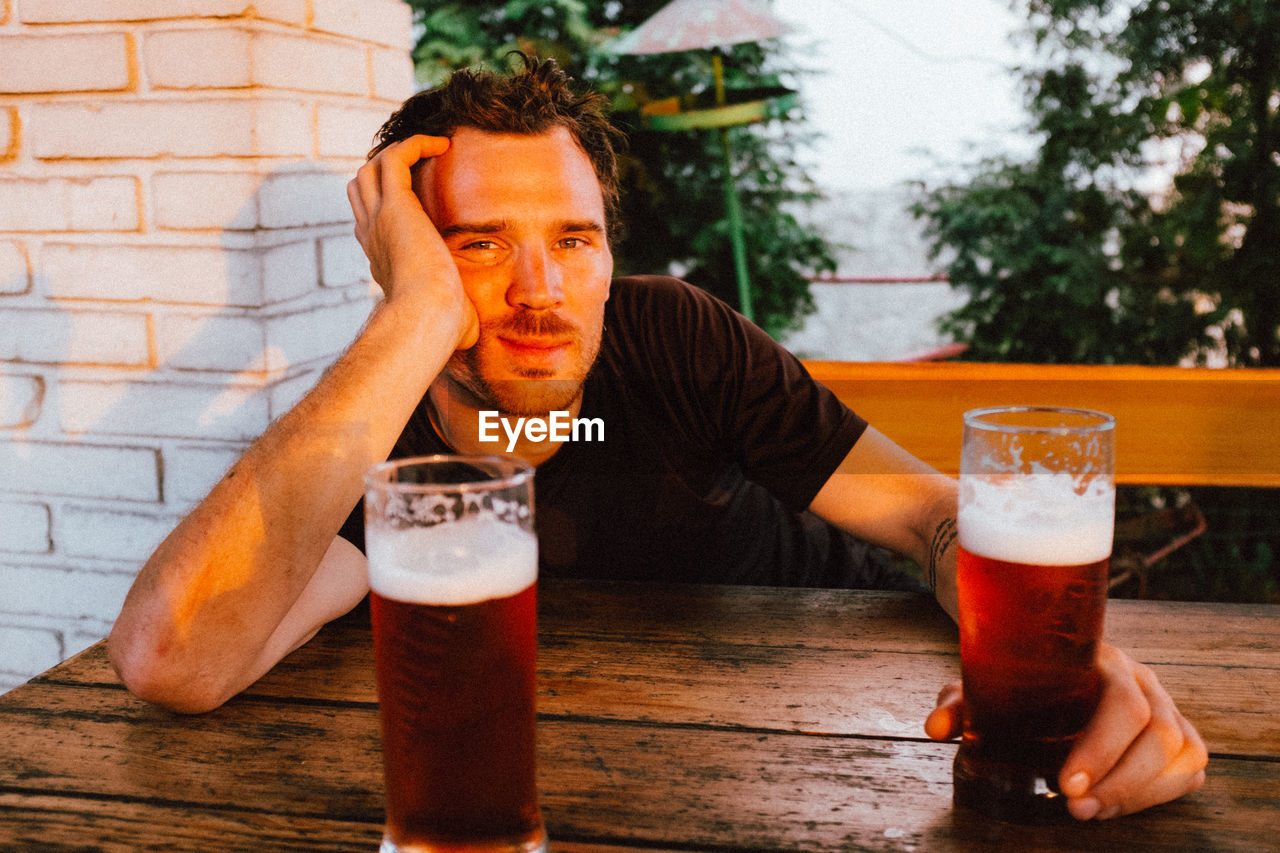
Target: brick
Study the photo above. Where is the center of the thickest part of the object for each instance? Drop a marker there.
(187, 128)
(241, 57)
(199, 275)
(27, 652)
(110, 534)
(206, 200)
(76, 337)
(347, 131)
(79, 470)
(393, 77)
(15, 270)
(290, 271)
(84, 62)
(211, 342)
(308, 64)
(316, 334)
(342, 262)
(26, 528)
(290, 199)
(61, 11)
(190, 472)
(207, 58)
(164, 410)
(21, 398)
(66, 593)
(61, 204)
(386, 22)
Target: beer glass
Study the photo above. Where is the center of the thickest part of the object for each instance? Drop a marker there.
(453, 565)
(1036, 522)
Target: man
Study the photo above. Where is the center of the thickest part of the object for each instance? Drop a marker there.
(485, 212)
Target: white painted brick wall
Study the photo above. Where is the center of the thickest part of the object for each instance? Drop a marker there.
(49, 336)
(378, 21)
(111, 472)
(111, 534)
(288, 199)
(67, 12)
(225, 59)
(72, 62)
(347, 131)
(193, 275)
(205, 200)
(176, 268)
(20, 400)
(392, 73)
(184, 129)
(57, 204)
(233, 412)
(26, 652)
(65, 593)
(26, 528)
(342, 262)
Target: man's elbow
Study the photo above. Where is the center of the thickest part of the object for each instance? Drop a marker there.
(149, 676)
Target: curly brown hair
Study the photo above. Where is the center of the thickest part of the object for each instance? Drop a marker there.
(527, 102)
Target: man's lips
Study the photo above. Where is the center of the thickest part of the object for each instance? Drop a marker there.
(534, 346)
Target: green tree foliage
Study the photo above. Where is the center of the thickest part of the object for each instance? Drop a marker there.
(1065, 257)
(673, 203)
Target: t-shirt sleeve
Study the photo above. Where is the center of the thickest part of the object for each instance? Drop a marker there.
(744, 394)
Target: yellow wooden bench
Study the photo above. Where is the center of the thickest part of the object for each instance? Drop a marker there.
(1174, 426)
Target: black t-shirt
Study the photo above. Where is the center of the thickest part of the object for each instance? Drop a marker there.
(715, 441)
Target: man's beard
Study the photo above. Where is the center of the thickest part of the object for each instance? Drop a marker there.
(534, 392)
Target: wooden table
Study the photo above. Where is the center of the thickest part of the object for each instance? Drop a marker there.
(671, 719)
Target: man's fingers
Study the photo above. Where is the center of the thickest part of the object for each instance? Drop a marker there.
(1137, 751)
(395, 161)
(1123, 711)
(389, 172)
(947, 719)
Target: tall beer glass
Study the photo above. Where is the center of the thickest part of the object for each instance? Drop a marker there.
(1037, 518)
(453, 565)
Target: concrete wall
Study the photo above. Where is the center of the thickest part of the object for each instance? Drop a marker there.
(176, 266)
(866, 317)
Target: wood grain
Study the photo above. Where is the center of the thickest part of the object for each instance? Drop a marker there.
(1174, 425)
(671, 719)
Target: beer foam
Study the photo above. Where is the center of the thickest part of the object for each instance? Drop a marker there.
(474, 559)
(1040, 519)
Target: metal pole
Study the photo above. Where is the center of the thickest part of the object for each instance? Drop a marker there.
(736, 237)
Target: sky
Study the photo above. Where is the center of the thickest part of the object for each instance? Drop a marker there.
(893, 78)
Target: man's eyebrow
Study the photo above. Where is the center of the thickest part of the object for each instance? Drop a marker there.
(473, 228)
(584, 225)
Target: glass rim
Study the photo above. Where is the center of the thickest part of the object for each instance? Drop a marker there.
(1098, 421)
(519, 472)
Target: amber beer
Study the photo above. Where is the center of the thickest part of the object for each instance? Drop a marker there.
(454, 621)
(1035, 527)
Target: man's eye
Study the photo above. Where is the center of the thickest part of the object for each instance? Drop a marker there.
(479, 245)
(572, 242)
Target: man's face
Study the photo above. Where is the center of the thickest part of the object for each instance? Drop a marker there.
(523, 217)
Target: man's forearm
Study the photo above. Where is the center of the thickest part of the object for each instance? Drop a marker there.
(215, 590)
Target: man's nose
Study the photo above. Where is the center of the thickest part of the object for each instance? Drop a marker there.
(537, 280)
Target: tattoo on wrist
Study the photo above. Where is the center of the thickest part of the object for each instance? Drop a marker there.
(942, 539)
